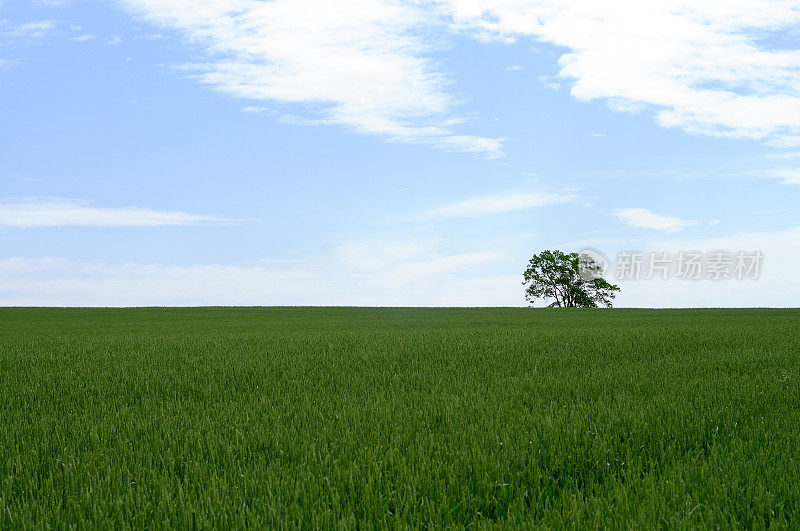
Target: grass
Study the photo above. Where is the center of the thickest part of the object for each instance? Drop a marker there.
(399, 417)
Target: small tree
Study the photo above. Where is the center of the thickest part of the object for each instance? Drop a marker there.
(573, 280)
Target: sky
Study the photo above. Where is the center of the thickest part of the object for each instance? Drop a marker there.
(389, 153)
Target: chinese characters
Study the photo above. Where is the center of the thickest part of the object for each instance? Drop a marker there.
(689, 265)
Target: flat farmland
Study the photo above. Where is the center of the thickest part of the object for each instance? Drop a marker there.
(377, 417)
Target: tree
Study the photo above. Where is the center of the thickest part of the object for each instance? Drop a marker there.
(573, 280)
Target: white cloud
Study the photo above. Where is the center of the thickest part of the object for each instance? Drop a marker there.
(380, 254)
(707, 67)
(641, 217)
(63, 212)
(152, 37)
(409, 261)
(549, 82)
(785, 155)
(362, 63)
(31, 30)
(370, 273)
(497, 204)
(786, 175)
(514, 68)
(83, 38)
(256, 109)
(784, 141)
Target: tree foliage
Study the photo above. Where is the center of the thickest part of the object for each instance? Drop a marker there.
(572, 280)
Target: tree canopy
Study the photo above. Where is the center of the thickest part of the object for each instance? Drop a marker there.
(573, 280)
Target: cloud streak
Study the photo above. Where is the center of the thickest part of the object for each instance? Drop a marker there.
(498, 204)
(642, 217)
(31, 30)
(65, 213)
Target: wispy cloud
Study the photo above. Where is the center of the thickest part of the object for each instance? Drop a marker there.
(31, 30)
(152, 37)
(82, 38)
(642, 217)
(257, 109)
(64, 212)
(706, 67)
(787, 175)
(549, 82)
(785, 155)
(365, 63)
(498, 204)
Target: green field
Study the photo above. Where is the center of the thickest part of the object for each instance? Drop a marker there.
(411, 417)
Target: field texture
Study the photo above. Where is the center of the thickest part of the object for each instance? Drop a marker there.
(411, 417)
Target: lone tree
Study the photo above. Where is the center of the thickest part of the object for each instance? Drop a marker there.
(573, 280)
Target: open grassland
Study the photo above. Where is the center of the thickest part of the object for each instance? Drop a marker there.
(418, 417)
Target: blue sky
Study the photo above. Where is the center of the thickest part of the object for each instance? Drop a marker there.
(375, 152)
